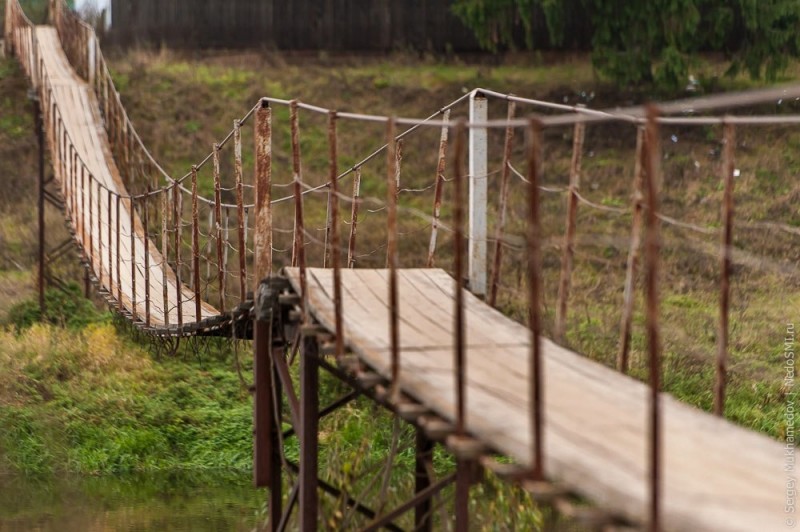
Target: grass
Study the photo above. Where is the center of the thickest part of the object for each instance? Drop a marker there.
(76, 408)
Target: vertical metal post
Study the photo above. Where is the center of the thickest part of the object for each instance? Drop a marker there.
(177, 220)
(423, 511)
(263, 192)
(478, 193)
(309, 436)
(237, 168)
(392, 255)
(652, 251)
(333, 241)
(568, 252)
(534, 235)
(40, 138)
(195, 248)
(462, 466)
(165, 254)
(504, 192)
(110, 237)
(437, 193)
(299, 250)
(133, 257)
(119, 272)
(729, 140)
(218, 227)
(266, 452)
(633, 255)
(351, 246)
(146, 220)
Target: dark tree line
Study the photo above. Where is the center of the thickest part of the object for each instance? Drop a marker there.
(634, 42)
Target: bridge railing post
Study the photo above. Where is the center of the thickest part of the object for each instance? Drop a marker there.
(504, 193)
(478, 193)
(437, 193)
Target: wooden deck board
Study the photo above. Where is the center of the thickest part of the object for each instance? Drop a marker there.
(717, 476)
(82, 120)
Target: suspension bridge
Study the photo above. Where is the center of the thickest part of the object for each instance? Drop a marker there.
(427, 345)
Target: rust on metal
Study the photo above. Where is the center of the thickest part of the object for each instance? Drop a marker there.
(165, 253)
(145, 223)
(109, 246)
(351, 246)
(398, 147)
(195, 248)
(534, 235)
(299, 252)
(458, 269)
(99, 206)
(392, 255)
(504, 192)
(568, 253)
(333, 242)
(729, 145)
(309, 434)
(633, 255)
(237, 168)
(177, 220)
(91, 223)
(119, 271)
(218, 227)
(133, 258)
(262, 236)
(652, 250)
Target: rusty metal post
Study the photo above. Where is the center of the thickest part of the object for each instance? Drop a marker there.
(119, 271)
(392, 255)
(133, 258)
(463, 479)
(437, 191)
(504, 192)
(99, 235)
(146, 220)
(91, 223)
(109, 245)
(633, 255)
(333, 241)
(299, 251)
(568, 253)
(263, 190)
(42, 255)
(652, 250)
(729, 145)
(218, 227)
(298, 237)
(177, 219)
(351, 246)
(266, 457)
(534, 236)
(309, 434)
(237, 166)
(195, 248)
(398, 148)
(165, 254)
(423, 511)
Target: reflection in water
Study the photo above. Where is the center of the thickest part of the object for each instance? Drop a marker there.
(166, 501)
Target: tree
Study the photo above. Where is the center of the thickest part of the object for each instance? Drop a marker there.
(653, 40)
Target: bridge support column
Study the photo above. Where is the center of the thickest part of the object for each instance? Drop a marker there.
(423, 511)
(37, 110)
(309, 442)
(478, 194)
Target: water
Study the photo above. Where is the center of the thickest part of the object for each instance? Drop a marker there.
(169, 502)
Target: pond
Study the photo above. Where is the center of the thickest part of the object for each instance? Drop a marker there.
(165, 501)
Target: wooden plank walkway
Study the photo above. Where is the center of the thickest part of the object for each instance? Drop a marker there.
(717, 476)
(82, 120)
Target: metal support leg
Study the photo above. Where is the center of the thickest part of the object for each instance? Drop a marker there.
(309, 412)
(42, 261)
(266, 469)
(463, 481)
(423, 515)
